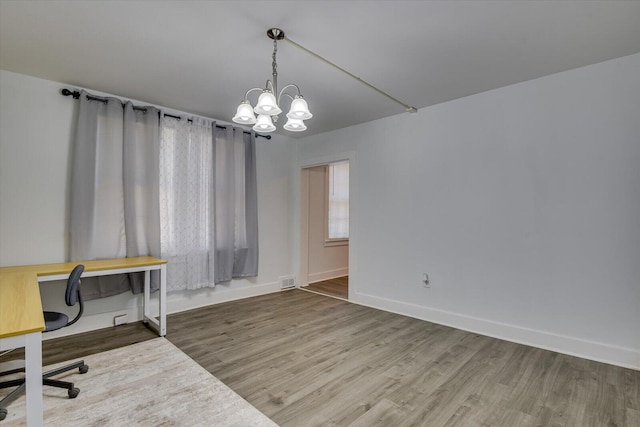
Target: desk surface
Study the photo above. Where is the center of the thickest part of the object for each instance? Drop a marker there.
(20, 304)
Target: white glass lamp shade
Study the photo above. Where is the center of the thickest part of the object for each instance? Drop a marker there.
(299, 110)
(264, 124)
(267, 104)
(295, 125)
(244, 114)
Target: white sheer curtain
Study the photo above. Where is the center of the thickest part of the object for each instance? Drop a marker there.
(114, 186)
(186, 202)
(208, 203)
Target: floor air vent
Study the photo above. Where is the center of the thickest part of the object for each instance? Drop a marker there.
(287, 282)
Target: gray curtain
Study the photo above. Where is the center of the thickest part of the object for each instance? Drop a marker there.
(235, 204)
(114, 189)
(141, 164)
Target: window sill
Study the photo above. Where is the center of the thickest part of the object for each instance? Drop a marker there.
(336, 242)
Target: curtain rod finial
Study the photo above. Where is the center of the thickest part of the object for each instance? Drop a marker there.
(67, 92)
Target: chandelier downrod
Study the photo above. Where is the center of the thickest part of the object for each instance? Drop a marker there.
(275, 34)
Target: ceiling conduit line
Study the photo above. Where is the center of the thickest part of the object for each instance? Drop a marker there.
(408, 108)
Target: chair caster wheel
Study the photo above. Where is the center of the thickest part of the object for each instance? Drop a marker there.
(84, 369)
(3, 414)
(74, 392)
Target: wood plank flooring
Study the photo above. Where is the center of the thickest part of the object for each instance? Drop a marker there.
(80, 345)
(308, 360)
(338, 287)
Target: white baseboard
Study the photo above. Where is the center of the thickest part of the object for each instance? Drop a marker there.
(184, 304)
(600, 352)
(175, 304)
(92, 322)
(327, 275)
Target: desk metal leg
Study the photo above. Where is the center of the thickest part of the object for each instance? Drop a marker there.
(163, 300)
(32, 344)
(146, 304)
(33, 372)
(160, 324)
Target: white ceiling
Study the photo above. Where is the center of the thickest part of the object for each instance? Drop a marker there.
(201, 56)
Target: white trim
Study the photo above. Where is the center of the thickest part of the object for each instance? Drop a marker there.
(303, 229)
(600, 352)
(299, 239)
(327, 275)
(323, 294)
(93, 322)
(336, 242)
(184, 304)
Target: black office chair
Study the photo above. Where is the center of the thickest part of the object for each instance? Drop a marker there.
(53, 321)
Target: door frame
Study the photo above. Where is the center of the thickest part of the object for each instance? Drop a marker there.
(301, 256)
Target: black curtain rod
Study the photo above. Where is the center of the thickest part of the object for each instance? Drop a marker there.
(76, 95)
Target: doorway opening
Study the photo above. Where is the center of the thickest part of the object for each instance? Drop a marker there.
(325, 229)
(338, 287)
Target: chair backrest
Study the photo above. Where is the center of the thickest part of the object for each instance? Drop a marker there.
(73, 294)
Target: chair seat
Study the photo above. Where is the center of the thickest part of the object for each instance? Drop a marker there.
(54, 320)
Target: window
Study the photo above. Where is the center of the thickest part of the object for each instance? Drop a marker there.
(338, 203)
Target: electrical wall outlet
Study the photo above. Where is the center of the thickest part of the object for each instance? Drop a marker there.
(425, 280)
(120, 320)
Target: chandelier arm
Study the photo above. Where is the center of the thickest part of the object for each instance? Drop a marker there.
(269, 83)
(284, 94)
(285, 88)
(246, 95)
(408, 108)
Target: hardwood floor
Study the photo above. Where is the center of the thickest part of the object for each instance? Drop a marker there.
(338, 287)
(81, 345)
(307, 360)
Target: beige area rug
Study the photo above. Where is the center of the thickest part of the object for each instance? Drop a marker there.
(151, 383)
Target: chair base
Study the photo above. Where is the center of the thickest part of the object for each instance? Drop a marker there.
(46, 380)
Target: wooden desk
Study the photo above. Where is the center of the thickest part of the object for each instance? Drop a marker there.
(21, 325)
(22, 321)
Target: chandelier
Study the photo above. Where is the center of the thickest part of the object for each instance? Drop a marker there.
(268, 107)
